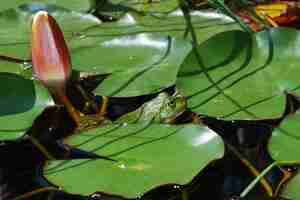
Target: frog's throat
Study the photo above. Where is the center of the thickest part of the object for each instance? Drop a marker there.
(170, 120)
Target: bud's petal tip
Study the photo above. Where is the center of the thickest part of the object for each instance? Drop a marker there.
(40, 14)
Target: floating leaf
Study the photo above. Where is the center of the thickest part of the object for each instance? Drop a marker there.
(207, 23)
(76, 5)
(242, 80)
(21, 101)
(150, 6)
(284, 147)
(130, 31)
(16, 30)
(89, 39)
(149, 63)
(11, 135)
(291, 190)
(148, 155)
(137, 67)
(285, 141)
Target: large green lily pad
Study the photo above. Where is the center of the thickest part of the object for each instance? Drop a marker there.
(242, 80)
(285, 141)
(121, 53)
(148, 155)
(284, 147)
(21, 101)
(147, 63)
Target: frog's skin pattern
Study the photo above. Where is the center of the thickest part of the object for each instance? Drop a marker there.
(162, 109)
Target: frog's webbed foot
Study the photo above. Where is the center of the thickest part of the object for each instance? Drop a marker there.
(92, 121)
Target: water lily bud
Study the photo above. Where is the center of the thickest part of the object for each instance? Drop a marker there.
(50, 55)
(51, 59)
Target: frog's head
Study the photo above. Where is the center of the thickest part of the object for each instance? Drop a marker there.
(173, 106)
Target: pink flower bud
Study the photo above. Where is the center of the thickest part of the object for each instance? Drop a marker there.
(50, 54)
(51, 59)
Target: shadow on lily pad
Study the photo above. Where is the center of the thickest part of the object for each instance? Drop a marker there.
(17, 94)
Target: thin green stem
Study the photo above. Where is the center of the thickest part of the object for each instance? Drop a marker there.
(256, 180)
(224, 8)
(263, 173)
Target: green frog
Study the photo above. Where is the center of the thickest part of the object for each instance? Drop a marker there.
(162, 109)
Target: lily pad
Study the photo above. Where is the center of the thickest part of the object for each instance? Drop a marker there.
(291, 190)
(76, 5)
(150, 6)
(19, 19)
(16, 27)
(206, 23)
(148, 155)
(138, 50)
(21, 101)
(242, 80)
(135, 67)
(147, 63)
(69, 20)
(92, 44)
(11, 135)
(285, 141)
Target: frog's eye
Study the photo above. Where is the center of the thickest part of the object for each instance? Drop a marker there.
(172, 103)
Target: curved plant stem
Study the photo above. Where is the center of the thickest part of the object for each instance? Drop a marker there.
(44, 150)
(256, 180)
(253, 170)
(70, 108)
(263, 173)
(224, 8)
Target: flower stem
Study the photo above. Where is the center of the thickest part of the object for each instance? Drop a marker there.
(70, 108)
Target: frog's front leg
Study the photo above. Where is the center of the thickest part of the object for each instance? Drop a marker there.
(132, 117)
